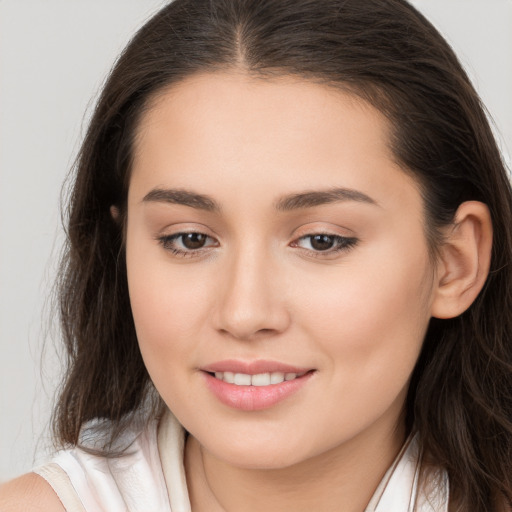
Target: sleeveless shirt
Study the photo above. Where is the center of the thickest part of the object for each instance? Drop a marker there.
(149, 476)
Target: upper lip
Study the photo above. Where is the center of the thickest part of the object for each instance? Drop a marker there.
(252, 367)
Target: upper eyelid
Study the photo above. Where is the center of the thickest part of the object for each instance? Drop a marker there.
(170, 231)
(323, 228)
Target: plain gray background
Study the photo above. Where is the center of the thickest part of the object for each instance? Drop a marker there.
(54, 55)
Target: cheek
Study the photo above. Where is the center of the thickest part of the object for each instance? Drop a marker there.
(370, 328)
(162, 307)
(168, 313)
(370, 319)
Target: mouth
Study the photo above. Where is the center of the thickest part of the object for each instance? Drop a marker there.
(258, 379)
(256, 385)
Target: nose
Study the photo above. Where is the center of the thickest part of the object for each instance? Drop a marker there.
(251, 303)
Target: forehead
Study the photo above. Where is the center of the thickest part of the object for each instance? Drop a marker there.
(258, 134)
(254, 102)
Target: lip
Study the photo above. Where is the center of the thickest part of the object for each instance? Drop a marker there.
(254, 398)
(252, 367)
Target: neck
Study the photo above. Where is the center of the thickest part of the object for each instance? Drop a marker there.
(343, 478)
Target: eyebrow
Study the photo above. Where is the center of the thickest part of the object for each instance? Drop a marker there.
(183, 197)
(313, 198)
(297, 201)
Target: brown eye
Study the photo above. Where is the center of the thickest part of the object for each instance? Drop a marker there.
(187, 244)
(322, 242)
(193, 240)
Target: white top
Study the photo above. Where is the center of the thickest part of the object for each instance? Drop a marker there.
(150, 477)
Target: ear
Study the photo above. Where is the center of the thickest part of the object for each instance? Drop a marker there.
(114, 212)
(464, 260)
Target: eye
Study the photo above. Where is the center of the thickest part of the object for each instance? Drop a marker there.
(186, 244)
(325, 243)
(192, 240)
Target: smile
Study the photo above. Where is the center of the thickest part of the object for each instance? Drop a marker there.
(260, 379)
(255, 385)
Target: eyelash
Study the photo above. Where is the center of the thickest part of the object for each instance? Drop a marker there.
(341, 244)
(168, 243)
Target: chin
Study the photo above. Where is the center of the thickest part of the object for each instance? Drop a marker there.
(254, 453)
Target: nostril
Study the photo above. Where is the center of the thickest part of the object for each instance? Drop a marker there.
(248, 335)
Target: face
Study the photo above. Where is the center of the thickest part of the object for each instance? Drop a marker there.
(278, 269)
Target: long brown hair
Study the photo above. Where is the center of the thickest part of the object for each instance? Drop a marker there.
(460, 397)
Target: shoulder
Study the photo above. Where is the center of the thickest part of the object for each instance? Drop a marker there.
(29, 493)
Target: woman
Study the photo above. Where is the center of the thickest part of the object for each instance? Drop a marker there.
(290, 226)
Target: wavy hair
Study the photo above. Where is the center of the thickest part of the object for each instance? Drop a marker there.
(384, 51)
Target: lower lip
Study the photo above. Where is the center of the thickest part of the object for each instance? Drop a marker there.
(254, 398)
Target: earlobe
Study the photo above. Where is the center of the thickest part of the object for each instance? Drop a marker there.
(464, 260)
(114, 212)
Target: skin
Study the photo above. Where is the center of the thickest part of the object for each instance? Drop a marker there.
(29, 493)
(258, 288)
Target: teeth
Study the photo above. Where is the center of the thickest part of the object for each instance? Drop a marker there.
(242, 379)
(276, 377)
(260, 379)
